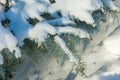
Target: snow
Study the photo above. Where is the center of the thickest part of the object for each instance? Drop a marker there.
(35, 10)
(62, 44)
(112, 72)
(3, 1)
(18, 26)
(81, 12)
(2, 17)
(7, 40)
(88, 7)
(83, 16)
(113, 69)
(113, 41)
(100, 55)
(59, 21)
(24, 8)
(14, 12)
(103, 59)
(41, 31)
(109, 4)
(75, 31)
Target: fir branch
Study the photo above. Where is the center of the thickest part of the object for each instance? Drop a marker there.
(75, 31)
(7, 5)
(62, 44)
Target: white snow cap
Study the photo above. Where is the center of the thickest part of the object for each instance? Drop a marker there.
(112, 43)
(75, 31)
(80, 4)
(40, 32)
(28, 9)
(33, 8)
(80, 10)
(3, 1)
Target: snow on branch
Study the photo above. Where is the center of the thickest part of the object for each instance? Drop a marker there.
(62, 44)
(7, 40)
(41, 31)
(82, 8)
(75, 31)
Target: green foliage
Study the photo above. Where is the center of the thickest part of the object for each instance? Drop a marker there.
(52, 1)
(9, 66)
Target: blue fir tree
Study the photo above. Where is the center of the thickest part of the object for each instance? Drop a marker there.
(55, 27)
